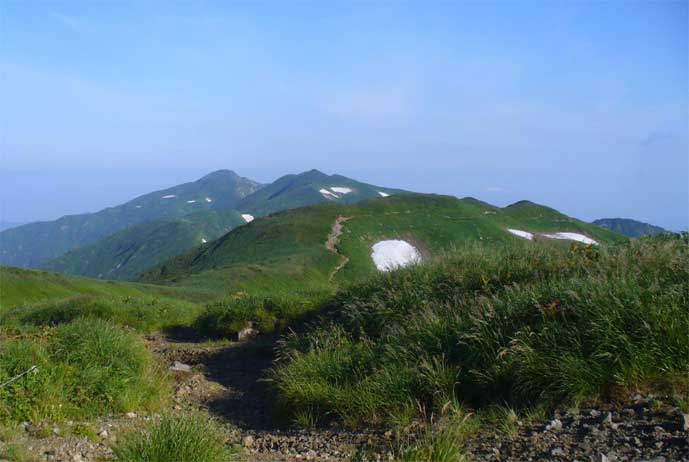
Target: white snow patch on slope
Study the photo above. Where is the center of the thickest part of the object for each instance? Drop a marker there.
(572, 237)
(341, 189)
(191, 202)
(382, 194)
(388, 255)
(169, 196)
(520, 233)
(203, 241)
(208, 199)
(248, 218)
(327, 194)
(137, 206)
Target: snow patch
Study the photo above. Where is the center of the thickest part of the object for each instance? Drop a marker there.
(191, 202)
(382, 194)
(208, 199)
(169, 196)
(137, 206)
(341, 189)
(392, 254)
(203, 241)
(572, 237)
(327, 194)
(248, 218)
(520, 233)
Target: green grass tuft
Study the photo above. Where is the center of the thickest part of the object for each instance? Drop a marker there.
(514, 325)
(193, 438)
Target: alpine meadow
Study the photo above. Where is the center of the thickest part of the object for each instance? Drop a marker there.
(353, 231)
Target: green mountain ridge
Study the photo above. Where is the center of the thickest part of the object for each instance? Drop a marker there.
(128, 252)
(32, 244)
(629, 227)
(287, 250)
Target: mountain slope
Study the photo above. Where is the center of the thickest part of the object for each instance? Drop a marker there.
(288, 249)
(126, 253)
(308, 188)
(35, 243)
(629, 227)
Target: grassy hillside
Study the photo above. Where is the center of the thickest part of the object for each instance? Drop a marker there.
(628, 227)
(516, 325)
(308, 188)
(128, 252)
(33, 244)
(288, 249)
(20, 286)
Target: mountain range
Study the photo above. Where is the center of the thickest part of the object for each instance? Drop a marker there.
(120, 241)
(33, 244)
(629, 227)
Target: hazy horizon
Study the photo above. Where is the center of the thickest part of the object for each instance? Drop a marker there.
(578, 106)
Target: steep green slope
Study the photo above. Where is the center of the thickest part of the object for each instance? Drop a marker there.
(128, 252)
(308, 188)
(35, 243)
(288, 249)
(629, 227)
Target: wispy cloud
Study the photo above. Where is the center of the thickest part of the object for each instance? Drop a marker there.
(69, 22)
(655, 138)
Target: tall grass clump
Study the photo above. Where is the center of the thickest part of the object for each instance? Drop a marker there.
(516, 326)
(83, 369)
(145, 314)
(189, 438)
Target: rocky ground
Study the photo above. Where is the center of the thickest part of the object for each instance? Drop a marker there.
(229, 380)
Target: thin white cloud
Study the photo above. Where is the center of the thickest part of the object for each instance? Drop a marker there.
(69, 22)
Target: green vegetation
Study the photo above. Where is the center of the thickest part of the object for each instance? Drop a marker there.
(81, 369)
(628, 227)
(126, 253)
(35, 243)
(265, 313)
(20, 287)
(286, 251)
(144, 313)
(516, 324)
(188, 438)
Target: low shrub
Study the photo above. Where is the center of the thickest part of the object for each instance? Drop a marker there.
(145, 314)
(266, 313)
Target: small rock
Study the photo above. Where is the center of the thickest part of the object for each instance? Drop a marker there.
(56, 430)
(311, 455)
(247, 333)
(130, 415)
(608, 421)
(248, 441)
(555, 425)
(180, 367)
(601, 458)
(103, 434)
(594, 413)
(685, 421)
(557, 452)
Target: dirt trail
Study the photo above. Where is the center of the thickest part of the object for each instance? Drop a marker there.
(331, 244)
(232, 382)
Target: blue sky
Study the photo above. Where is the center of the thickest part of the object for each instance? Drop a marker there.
(581, 106)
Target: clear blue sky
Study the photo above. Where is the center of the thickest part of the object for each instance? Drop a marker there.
(578, 105)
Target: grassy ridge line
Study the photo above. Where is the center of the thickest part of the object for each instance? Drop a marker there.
(288, 247)
(20, 286)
